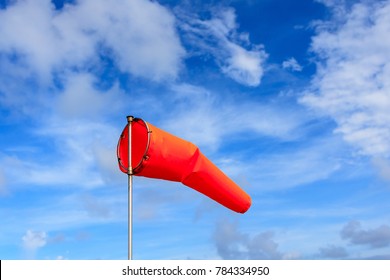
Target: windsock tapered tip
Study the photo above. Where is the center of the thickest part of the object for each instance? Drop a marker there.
(246, 206)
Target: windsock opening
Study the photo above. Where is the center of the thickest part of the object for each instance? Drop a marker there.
(140, 140)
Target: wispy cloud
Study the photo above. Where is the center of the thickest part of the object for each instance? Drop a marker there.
(207, 118)
(234, 54)
(76, 159)
(271, 171)
(292, 64)
(351, 84)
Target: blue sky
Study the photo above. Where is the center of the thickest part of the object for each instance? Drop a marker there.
(291, 99)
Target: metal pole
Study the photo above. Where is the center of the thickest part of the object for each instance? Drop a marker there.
(130, 192)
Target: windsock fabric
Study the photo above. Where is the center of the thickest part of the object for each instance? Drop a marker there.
(158, 154)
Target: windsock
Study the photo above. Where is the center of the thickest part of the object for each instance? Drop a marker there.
(158, 154)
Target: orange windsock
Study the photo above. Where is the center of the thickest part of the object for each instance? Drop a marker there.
(158, 154)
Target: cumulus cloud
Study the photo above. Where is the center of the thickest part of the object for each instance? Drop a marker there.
(28, 33)
(351, 85)
(230, 243)
(262, 246)
(33, 240)
(233, 244)
(232, 51)
(141, 46)
(48, 40)
(292, 64)
(374, 238)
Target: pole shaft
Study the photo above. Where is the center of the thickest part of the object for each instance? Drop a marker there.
(130, 193)
(130, 218)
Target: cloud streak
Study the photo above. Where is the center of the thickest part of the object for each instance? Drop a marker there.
(292, 64)
(206, 118)
(233, 53)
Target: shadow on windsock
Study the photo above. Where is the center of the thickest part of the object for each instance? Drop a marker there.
(158, 154)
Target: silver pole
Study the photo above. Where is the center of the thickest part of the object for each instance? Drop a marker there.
(130, 192)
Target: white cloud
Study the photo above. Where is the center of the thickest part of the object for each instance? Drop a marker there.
(33, 240)
(141, 46)
(27, 32)
(292, 64)
(232, 51)
(351, 85)
(243, 66)
(49, 40)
